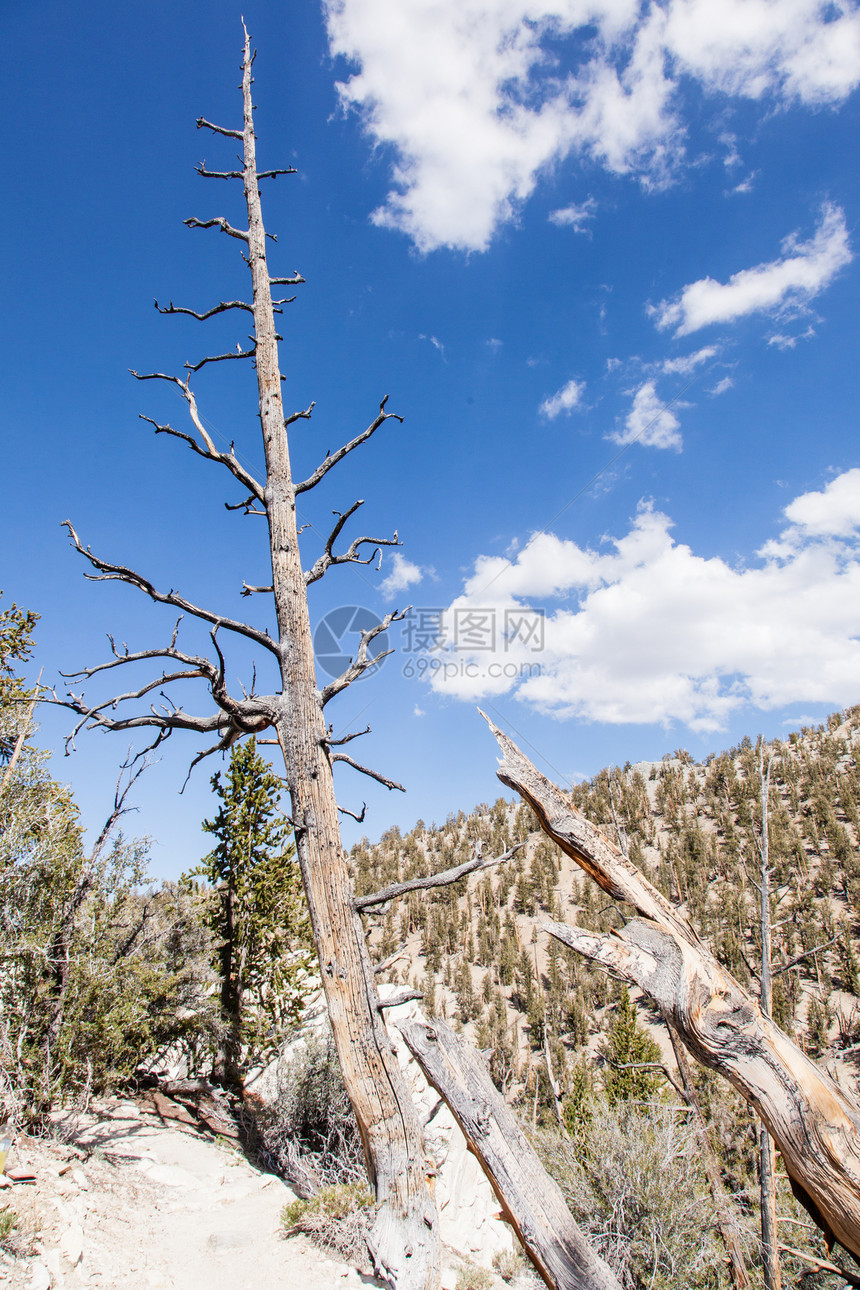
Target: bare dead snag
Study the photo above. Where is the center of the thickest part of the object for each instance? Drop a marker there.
(815, 1126)
(725, 1215)
(766, 1155)
(405, 1237)
(531, 1201)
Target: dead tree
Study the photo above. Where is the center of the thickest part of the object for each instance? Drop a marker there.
(405, 1240)
(766, 1156)
(814, 1124)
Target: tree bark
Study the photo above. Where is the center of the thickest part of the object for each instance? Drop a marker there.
(531, 1201)
(766, 1155)
(815, 1126)
(404, 1242)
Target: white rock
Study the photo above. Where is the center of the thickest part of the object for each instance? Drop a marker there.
(72, 1244)
(40, 1277)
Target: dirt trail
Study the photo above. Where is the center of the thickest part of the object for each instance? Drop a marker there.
(143, 1206)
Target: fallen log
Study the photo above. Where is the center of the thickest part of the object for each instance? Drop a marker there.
(814, 1125)
(531, 1201)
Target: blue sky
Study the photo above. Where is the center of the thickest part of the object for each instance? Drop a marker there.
(602, 258)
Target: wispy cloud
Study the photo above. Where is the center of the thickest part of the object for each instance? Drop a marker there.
(564, 400)
(689, 362)
(575, 217)
(789, 282)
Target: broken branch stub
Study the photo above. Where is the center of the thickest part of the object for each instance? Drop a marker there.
(814, 1124)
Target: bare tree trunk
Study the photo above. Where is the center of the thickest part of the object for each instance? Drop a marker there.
(405, 1242)
(766, 1156)
(814, 1124)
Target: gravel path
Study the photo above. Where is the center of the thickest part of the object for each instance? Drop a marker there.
(131, 1204)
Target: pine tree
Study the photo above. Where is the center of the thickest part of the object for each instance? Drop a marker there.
(629, 1052)
(258, 912)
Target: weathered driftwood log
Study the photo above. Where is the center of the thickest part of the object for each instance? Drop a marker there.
(815, 1126)
(530, 1200)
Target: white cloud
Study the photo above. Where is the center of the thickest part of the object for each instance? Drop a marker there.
(564, 400)
(646, 630)
(684, 366)
(575, 217)
(403, 575)
(833, 512)
(721, 386)
(477, 99)
(803, 270)
(649, 421)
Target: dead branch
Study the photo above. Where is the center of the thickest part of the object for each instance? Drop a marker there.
(295, 281)
(361, 662)
(209, 451)
(222, 358)
(22, 736)
(371, 774)
(344, 810)
(798, 958)
(218, 222)
(203, 124)
(531, 1202)
(443, 879)
(390, 961)
(815, 1126)
(822, 1265)
(273, 174)
(304, 415)
(332, 458)
(248, 590)
(402, 996)
(351, 556)
(210, 313)
(119, 573)
(345, 739)
(218, 174)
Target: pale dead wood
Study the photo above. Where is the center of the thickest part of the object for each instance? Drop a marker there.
(362, 661)
(442, 879)
(821, 1265)
(531, 1202)
(365, 770)
(121, 573)
(22, 738)
(333, 458)
(725, 1211)
(815, 1126)
(350, 556)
